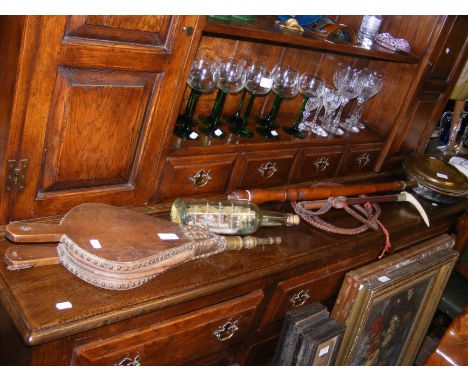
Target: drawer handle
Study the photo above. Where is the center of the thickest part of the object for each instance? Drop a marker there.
(267, 170)
(363, 160)
(226, 331)
(127, 361)
(321, 164)
(298, 299)
(200, 178)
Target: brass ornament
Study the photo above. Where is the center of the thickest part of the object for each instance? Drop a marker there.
(291, 24)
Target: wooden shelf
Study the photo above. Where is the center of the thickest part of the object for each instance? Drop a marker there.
(265, 30)
(233, 143)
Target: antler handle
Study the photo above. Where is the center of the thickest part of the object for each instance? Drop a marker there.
(236, 243)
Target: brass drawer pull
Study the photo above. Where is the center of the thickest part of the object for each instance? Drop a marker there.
(200, 178)
(321, 164)
(298, 299)
(363, 160)
(226, 331)
(127, 361)
(267, 170)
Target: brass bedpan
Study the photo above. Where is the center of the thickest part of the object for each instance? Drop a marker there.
(437, 180)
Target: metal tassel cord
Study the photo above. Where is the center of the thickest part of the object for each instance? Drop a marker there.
(367, 214)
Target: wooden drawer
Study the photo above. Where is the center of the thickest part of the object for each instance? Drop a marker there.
(359, 159)
(317, 163)
(172, 342)
(195, 175)
(317, 286)
(263, 168)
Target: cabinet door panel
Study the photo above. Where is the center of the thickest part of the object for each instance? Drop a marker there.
(91, 107)
(146, 30)
(97, 110)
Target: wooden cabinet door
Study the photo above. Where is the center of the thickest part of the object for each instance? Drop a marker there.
(100, 96)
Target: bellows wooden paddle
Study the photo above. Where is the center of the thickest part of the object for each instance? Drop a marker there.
(115, 248)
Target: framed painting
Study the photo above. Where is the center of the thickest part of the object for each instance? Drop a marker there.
(295, 323)
(319, 345)
(387, 306)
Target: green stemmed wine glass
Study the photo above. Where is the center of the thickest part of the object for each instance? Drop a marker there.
(309, 86)
(258, 82)
(231, 79)
(285, 85)
(236, 118)
(202, 79)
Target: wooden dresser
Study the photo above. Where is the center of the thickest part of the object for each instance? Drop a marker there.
(89, 103)
(88, 106)
(225, 309)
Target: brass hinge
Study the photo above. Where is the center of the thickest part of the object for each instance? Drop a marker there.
(16, 174)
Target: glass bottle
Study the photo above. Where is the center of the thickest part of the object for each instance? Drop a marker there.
(370, 26)
(228, 217)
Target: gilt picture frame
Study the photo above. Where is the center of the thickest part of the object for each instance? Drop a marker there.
(392, 305)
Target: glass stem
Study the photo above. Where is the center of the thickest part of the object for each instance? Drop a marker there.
(358, 110)
(241, 102)
(327, 118)
(190, 108)
(274, 111)
(314, 121)
(301, 113)
(217, 108)
(337, 118)
(247, 110)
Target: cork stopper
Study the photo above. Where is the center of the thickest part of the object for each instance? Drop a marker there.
(292, 219)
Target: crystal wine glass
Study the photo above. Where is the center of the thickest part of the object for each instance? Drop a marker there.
(285, 85)
(332, 99)
(258, 82)
(310, 86)
(348, 84)
(230, 79)
(317, 105)
(371, 83)
(202, 79)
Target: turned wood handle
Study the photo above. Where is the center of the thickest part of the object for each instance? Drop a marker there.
(259, 196)
(236, 243)
(29, 256)
(29, 232)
